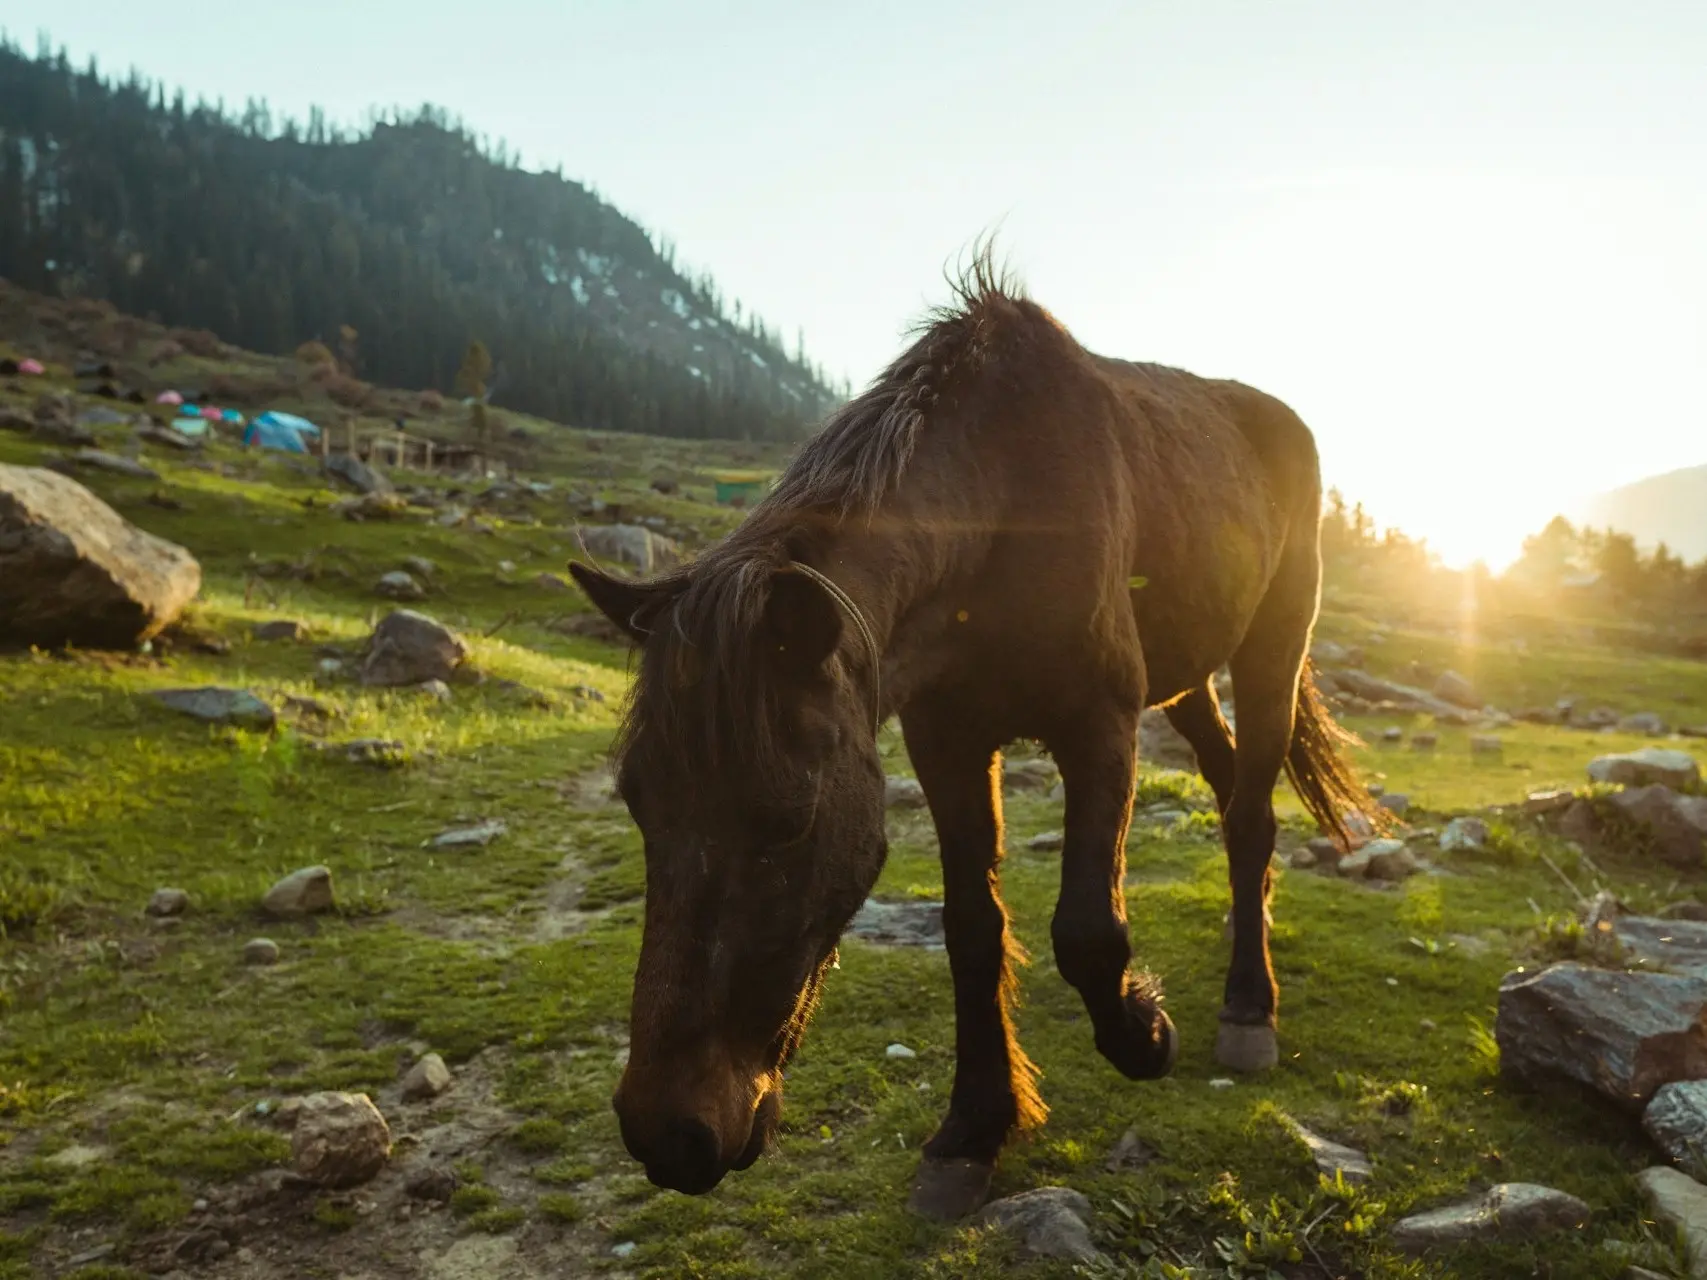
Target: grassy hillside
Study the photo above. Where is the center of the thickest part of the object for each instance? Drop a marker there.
(140, 1064)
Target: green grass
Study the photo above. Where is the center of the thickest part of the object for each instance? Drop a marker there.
(153, 1047)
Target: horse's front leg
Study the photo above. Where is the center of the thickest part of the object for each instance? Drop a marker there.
(1097, 757)
(994, 1090)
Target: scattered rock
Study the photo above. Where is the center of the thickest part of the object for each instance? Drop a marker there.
(434, 1182)
(1677, 823)
(280, 629)
(427, 1079)
(551, 582)
(1680, 1202)
(1046, 841)
(1332, 1158)
(1355, 864)
(903, 793)
(1424, 741)
(1131, 1152)
(219, 706)
(1508, 1211)
(398, 585)
(382, 753)
(1643, 722)
(1464, 835)
(116, 463)
(1676, 1120)
(481, 833)
(903, 924)
(372, 506)
(899, 1051)
(1621, 1034)
(1389, 860)
(1303, 859)
(1454, 688)
(1397, 805)
(340, 1140)
(73, 571)
(631, 544)
(1048, 1222)
(1161, 744)
(1392, 734)
(1647, 767)
(410, 648)
(168, 902)
(301, 893)
(353, 473)
(437, 690)
(260, 951)
(1485, 745)
(1539, 804)
(1029, 775)
(1677, 946)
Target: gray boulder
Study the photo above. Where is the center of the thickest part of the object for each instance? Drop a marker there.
(398, 585)
(73, 571)
(903, 924)
(1464, 835)
(219, 706)
(1647, 767)
(340, 1140)
(1048, 1222)
(427, 1079)
(302, 893)
(118, 464)
(409, 648)
(631, 544)
(1508, 1211)
(1643, 722)
(1677, 1122)
(903, 793)
(1677, 823)
(1454, 688)
(353, 473)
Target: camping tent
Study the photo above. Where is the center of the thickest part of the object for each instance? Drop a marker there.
(272, 430)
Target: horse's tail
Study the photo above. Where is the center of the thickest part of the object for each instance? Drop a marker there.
(1323, 778)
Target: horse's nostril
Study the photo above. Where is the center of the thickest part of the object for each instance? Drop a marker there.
(688, 1158)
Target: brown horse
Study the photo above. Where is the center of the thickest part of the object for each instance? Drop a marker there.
(1005, 537)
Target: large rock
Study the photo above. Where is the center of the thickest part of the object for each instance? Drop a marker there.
(219, 706)
(1680, 1202)
(73, 571)
(340, 1139)
(1048, 1222)
(1159, 743)
(353, 473)
(1621, 1034)
(1334, 1159)
(427, 1079)
(1360, 684)
(905, 924)
(302, 893)
(398, 585)
(903, 793)
(1454, 688)
(631, 544)
(1677, 1121)
(1464, 835)
(410, 648)
(1647, 767)
(1678, 823)
(1508, 1211)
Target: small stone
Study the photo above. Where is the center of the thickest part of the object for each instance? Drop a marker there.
(551, 582)
(428, 1078)
(1540, 803)
(420, 567)
(1680, 1202)
(1332, 1158)
(1464, 835)
(899, 1051)
(1676, 1120)
(1046, 841)
(219, 706)
(1376, 790)
(1220, 1082)
(1389, 860)
(398, 585)
(1392, 734)
(1485, 745)
(1303, 859)
(409, 648)
(437, 690)
(199, 1206)
(260, 951)
(301, 893)
(481, 834)
(1428, 1024)
(905, 924)
(1355, 865)
(624, 1249)
(1643, 722)
(1131, 1152)
(99, 1253)
(903, 793)
(280, 629)
(1424, 741)
(1048, 1222)
(431, 1183)
(1396, 804)
(506, 566)
(341, 1139)
(168, 902)
(1508, 1211)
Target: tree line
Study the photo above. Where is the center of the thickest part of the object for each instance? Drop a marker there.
(411, 232)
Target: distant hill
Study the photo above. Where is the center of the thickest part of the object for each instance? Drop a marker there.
(411, 234)
(1670, 508)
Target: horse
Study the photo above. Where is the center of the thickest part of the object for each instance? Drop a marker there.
(1005, 537)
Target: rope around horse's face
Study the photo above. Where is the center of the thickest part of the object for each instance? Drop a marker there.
(863, 627)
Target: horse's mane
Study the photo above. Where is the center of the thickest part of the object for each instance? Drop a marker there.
(698, 692)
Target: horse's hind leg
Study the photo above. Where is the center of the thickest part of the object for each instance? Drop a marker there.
(993, 1081)
(1265, 681)
(1097, 757)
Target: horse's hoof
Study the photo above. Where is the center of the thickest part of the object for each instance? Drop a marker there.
(1241, 1047)
(948, 1190)
(1141, 1048)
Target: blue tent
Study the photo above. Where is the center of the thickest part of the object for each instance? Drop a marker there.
(272, 430)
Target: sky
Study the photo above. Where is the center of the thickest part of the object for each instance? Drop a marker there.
(1467, 242)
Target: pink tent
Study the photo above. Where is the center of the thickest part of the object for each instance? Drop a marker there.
(208, 411)
(31, 366)
(168, 397)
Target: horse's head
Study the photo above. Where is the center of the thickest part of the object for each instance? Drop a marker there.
(749, 764)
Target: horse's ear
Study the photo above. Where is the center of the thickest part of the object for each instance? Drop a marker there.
(802, 622)
(630, 605)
